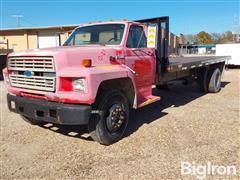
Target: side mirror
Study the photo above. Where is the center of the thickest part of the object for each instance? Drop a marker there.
(151, 37)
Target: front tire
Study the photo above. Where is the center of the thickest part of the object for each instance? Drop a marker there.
(109, 125)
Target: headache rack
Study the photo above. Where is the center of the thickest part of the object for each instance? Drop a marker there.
(162, 41)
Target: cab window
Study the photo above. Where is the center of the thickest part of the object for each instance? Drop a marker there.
(136, 37)
(105, 34)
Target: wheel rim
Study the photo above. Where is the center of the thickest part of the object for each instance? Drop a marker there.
(116, 118)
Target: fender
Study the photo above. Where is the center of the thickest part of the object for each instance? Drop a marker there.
(111, 72)
(94, 77)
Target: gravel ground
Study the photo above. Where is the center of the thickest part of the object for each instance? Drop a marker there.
(184, 126)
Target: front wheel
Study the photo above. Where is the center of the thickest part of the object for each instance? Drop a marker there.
(109, 125)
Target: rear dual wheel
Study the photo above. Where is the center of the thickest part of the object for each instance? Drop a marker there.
(214, 85)
(109, 124)
(210, 80)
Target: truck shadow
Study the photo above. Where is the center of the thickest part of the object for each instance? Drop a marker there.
(177, 95)
(75, 131)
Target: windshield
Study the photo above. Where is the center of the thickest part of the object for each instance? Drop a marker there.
(104, 34)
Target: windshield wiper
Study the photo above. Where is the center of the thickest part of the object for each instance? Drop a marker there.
(102, 44)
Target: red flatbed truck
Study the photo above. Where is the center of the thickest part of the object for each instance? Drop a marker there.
(101, 71)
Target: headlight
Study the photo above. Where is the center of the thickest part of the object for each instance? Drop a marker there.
(79, 85)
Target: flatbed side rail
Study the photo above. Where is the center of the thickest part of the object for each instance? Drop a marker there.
(182, 64)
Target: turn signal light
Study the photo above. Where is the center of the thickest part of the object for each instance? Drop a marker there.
(66, 84)
(87, 62)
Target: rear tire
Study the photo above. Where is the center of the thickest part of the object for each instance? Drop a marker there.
(209, 81)
(109, 125)
(202, 80)
(214, 85)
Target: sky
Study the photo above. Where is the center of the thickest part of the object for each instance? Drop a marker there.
(187, 16)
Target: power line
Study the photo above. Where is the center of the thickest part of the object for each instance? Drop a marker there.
(29, 22)
(18, 17)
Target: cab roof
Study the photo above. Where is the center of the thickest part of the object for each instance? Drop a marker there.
(108, 22)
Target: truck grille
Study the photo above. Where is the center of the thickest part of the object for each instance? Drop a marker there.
(34, 82)
(38, 64)
(42, 73)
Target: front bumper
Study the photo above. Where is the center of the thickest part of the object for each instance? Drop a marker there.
(43, 110)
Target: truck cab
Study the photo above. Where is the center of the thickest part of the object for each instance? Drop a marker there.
(101, 71)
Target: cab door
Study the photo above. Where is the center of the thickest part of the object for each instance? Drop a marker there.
(141, 60)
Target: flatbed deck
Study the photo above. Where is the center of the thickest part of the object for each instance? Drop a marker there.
(186, 63)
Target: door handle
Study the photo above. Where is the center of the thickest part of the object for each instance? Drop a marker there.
(120, 57)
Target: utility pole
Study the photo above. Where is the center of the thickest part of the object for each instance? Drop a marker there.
(236, 28)
(18, 16)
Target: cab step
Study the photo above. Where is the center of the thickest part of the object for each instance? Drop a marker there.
(148, 100)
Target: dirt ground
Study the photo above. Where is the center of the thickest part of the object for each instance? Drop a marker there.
(185, 125)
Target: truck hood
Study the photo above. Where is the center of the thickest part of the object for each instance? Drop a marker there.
(66, 56)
